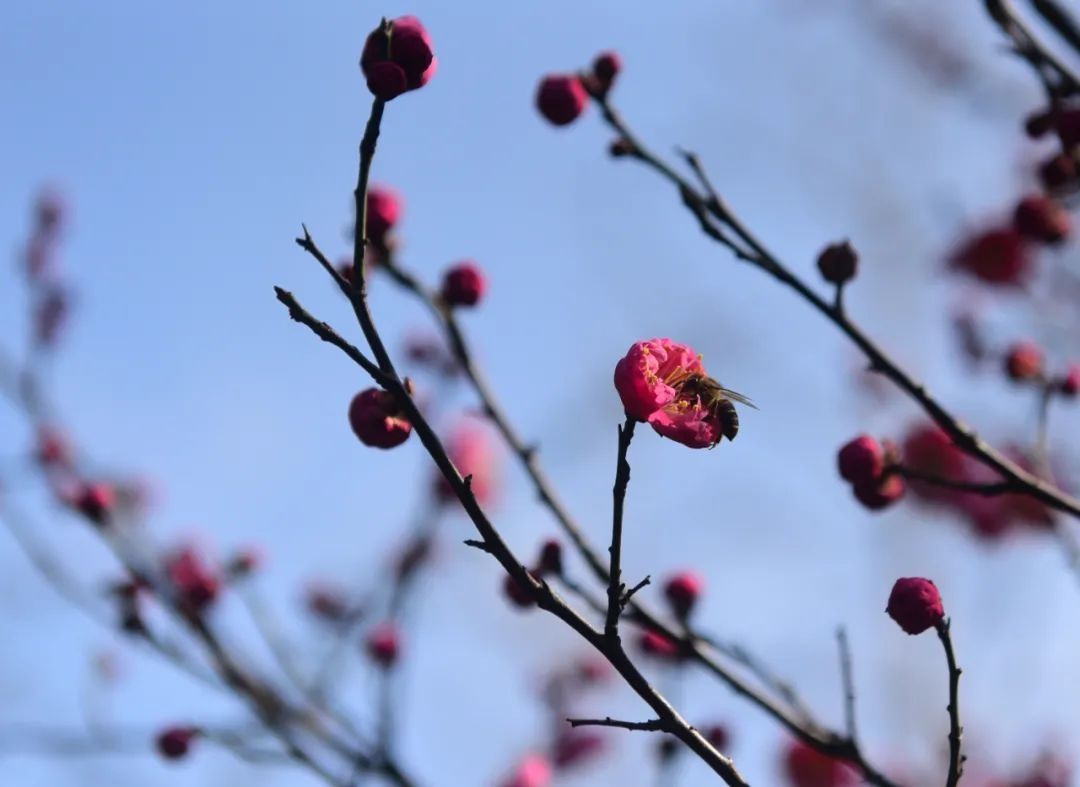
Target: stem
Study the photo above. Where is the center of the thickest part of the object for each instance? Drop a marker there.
(956, 759)
(615, 584)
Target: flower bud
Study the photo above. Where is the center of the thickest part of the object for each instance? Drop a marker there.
(245, 562)
(326, 601)
(861, 460)
(561, 98)
(838, 263)
(195, 584)
(717, 735)
(550, 560)
(915, 604)
(518, 594)
(464, 284)
(1069, 385)
(95, 501)
(621, 147)
(398, 60)
(682, 591)
(174, 743)
(807, 767)
(1058, 172)
(1042, 219)
(1024, 361)
(879, 494)
(659, 645)
(575, 746)
(384, 644)
(606, 67)
(48, 213)
(383, 213)
(377, 420)
(53, 449)
(997, 256)
(534, 770)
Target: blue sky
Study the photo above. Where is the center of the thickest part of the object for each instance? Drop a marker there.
(193, 140)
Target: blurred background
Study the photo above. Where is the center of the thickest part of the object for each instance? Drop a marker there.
(191, 141)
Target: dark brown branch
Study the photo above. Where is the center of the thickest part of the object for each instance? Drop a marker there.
(652, 725)
(1060, 19)
(615, 584)
(956, 759)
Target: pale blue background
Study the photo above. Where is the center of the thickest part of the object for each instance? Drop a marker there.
(192, 140)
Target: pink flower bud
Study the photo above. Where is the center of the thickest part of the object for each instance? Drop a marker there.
(470, 449)
(1024, 361)
(533, 770)
(1069, 385)
(96, 502)
(576, 746)
(195, 584)
(1058, 172)
(1042, 219)
(659, 645)
(915, 604)
(881, 493)
(861, 460)
(682, 592)
(174, 743)
(518, 594)
(384, 644)
(550, 560)
(383, 213)
(997, 256)
(401, 61)
(717, 735)
(838, 263)
(606, 67)
(561, 98)
(464, 284)
(377, 420)
(386, 80)
(807, 767)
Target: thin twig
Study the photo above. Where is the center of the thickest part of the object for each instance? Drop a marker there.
(956, 759)
(615, 583)
(652, 725)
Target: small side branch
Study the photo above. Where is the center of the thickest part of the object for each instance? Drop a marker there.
(848, 680)
(652, 725)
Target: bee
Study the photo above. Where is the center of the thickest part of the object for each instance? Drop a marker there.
(718, 400)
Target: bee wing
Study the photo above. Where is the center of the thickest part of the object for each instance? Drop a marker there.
(737, 397)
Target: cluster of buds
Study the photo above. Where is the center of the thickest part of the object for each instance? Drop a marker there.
(930, 452)
(398, 57)
(562, 98)
(869, 466)
(1058, 173)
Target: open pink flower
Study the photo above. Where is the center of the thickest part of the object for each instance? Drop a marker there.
(648, 376)
(689, 421)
